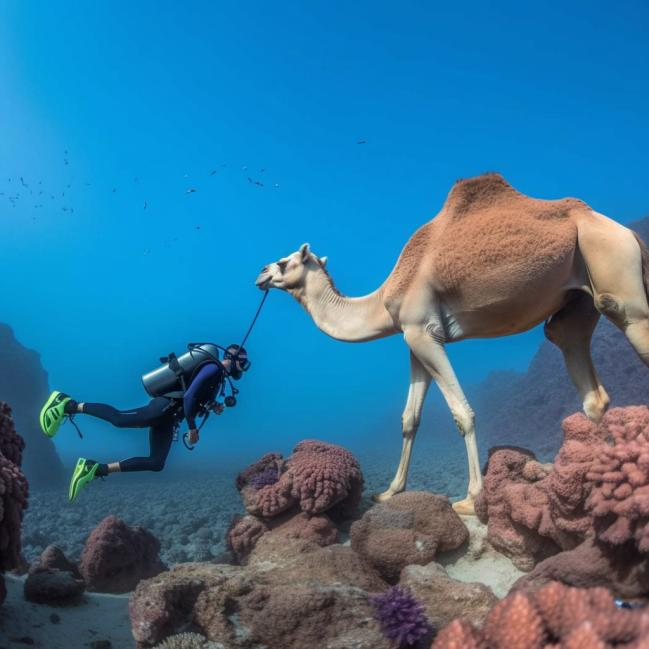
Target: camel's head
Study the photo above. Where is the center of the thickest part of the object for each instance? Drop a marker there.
(290, 272)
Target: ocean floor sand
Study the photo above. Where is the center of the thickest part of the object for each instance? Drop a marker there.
(95, 619)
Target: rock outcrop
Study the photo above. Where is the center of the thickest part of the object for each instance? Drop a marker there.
(293, 594)
(117, 557)
(23, 384)
(412, 527)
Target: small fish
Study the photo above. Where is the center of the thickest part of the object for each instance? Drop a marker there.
(114, 190)
(65, 160)
(362, 142)
(213, 172)
(146, 205)
(22, 182)
(244, 168)
(191, 190)
(198, 227)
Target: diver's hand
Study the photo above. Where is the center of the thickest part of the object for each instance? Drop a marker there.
(192, 436)
(218, 408)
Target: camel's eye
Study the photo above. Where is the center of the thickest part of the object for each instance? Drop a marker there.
(282, 265)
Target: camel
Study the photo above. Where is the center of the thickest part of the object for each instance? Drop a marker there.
(492, 262)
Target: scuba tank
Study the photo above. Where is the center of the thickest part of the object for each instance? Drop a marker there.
(172, 378)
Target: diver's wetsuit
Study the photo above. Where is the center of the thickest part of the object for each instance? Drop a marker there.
(161, 415)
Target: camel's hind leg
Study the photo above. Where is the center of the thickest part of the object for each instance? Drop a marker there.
(433, 357)
(419, 382)
(617, 270)
(571, 329)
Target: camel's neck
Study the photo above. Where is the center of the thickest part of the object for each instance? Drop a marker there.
(354, 319)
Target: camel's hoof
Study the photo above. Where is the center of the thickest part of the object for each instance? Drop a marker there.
(465, 507)
(382, 497)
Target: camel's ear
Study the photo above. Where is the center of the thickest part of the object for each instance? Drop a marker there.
(305, 249)
(322, 261)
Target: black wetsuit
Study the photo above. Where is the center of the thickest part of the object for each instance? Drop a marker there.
(162, 416)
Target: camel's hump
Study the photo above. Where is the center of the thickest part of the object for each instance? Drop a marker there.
(491, 190)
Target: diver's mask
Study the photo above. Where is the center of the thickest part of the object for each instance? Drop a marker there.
(239, 361)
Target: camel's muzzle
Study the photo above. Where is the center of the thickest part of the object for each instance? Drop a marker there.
(263, 280)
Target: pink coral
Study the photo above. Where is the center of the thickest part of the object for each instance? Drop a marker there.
(556, 617)
(619, 499)
(243, 534)
(13, 492)
(535, 510)
(317, 477)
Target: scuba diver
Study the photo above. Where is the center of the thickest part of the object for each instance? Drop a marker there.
(183, 388)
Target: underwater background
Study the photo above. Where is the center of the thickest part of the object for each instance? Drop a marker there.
(154, 156)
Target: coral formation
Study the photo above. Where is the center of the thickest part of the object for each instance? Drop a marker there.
(188, 640)
(410, 528)
(590, 509)
(247, 530)
(243, 534)
(317, 477)
(268, 461)
(269, 476)
(619, 498)
(402, 618)
(555, 617)
(291, 496)
(535, 510)
(13, 494)
(116, 557)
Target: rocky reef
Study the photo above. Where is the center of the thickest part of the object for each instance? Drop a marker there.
(24, 385)
(555, 617)
(584, 519)
(13, 494)
(295, 585)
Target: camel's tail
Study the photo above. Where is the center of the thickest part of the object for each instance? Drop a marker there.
(644, 251)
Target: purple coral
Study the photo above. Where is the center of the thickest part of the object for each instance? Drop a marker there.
(318, 477)
(270, 475)
(402, 618)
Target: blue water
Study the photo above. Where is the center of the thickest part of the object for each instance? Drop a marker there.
(355, 119)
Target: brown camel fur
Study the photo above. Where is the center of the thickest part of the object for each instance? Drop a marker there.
(493, 262)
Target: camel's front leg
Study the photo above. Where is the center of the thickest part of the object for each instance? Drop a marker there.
(419, 382)
(433, 357)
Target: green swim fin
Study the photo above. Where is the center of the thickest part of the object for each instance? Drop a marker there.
(53, 413)
(84, 473)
